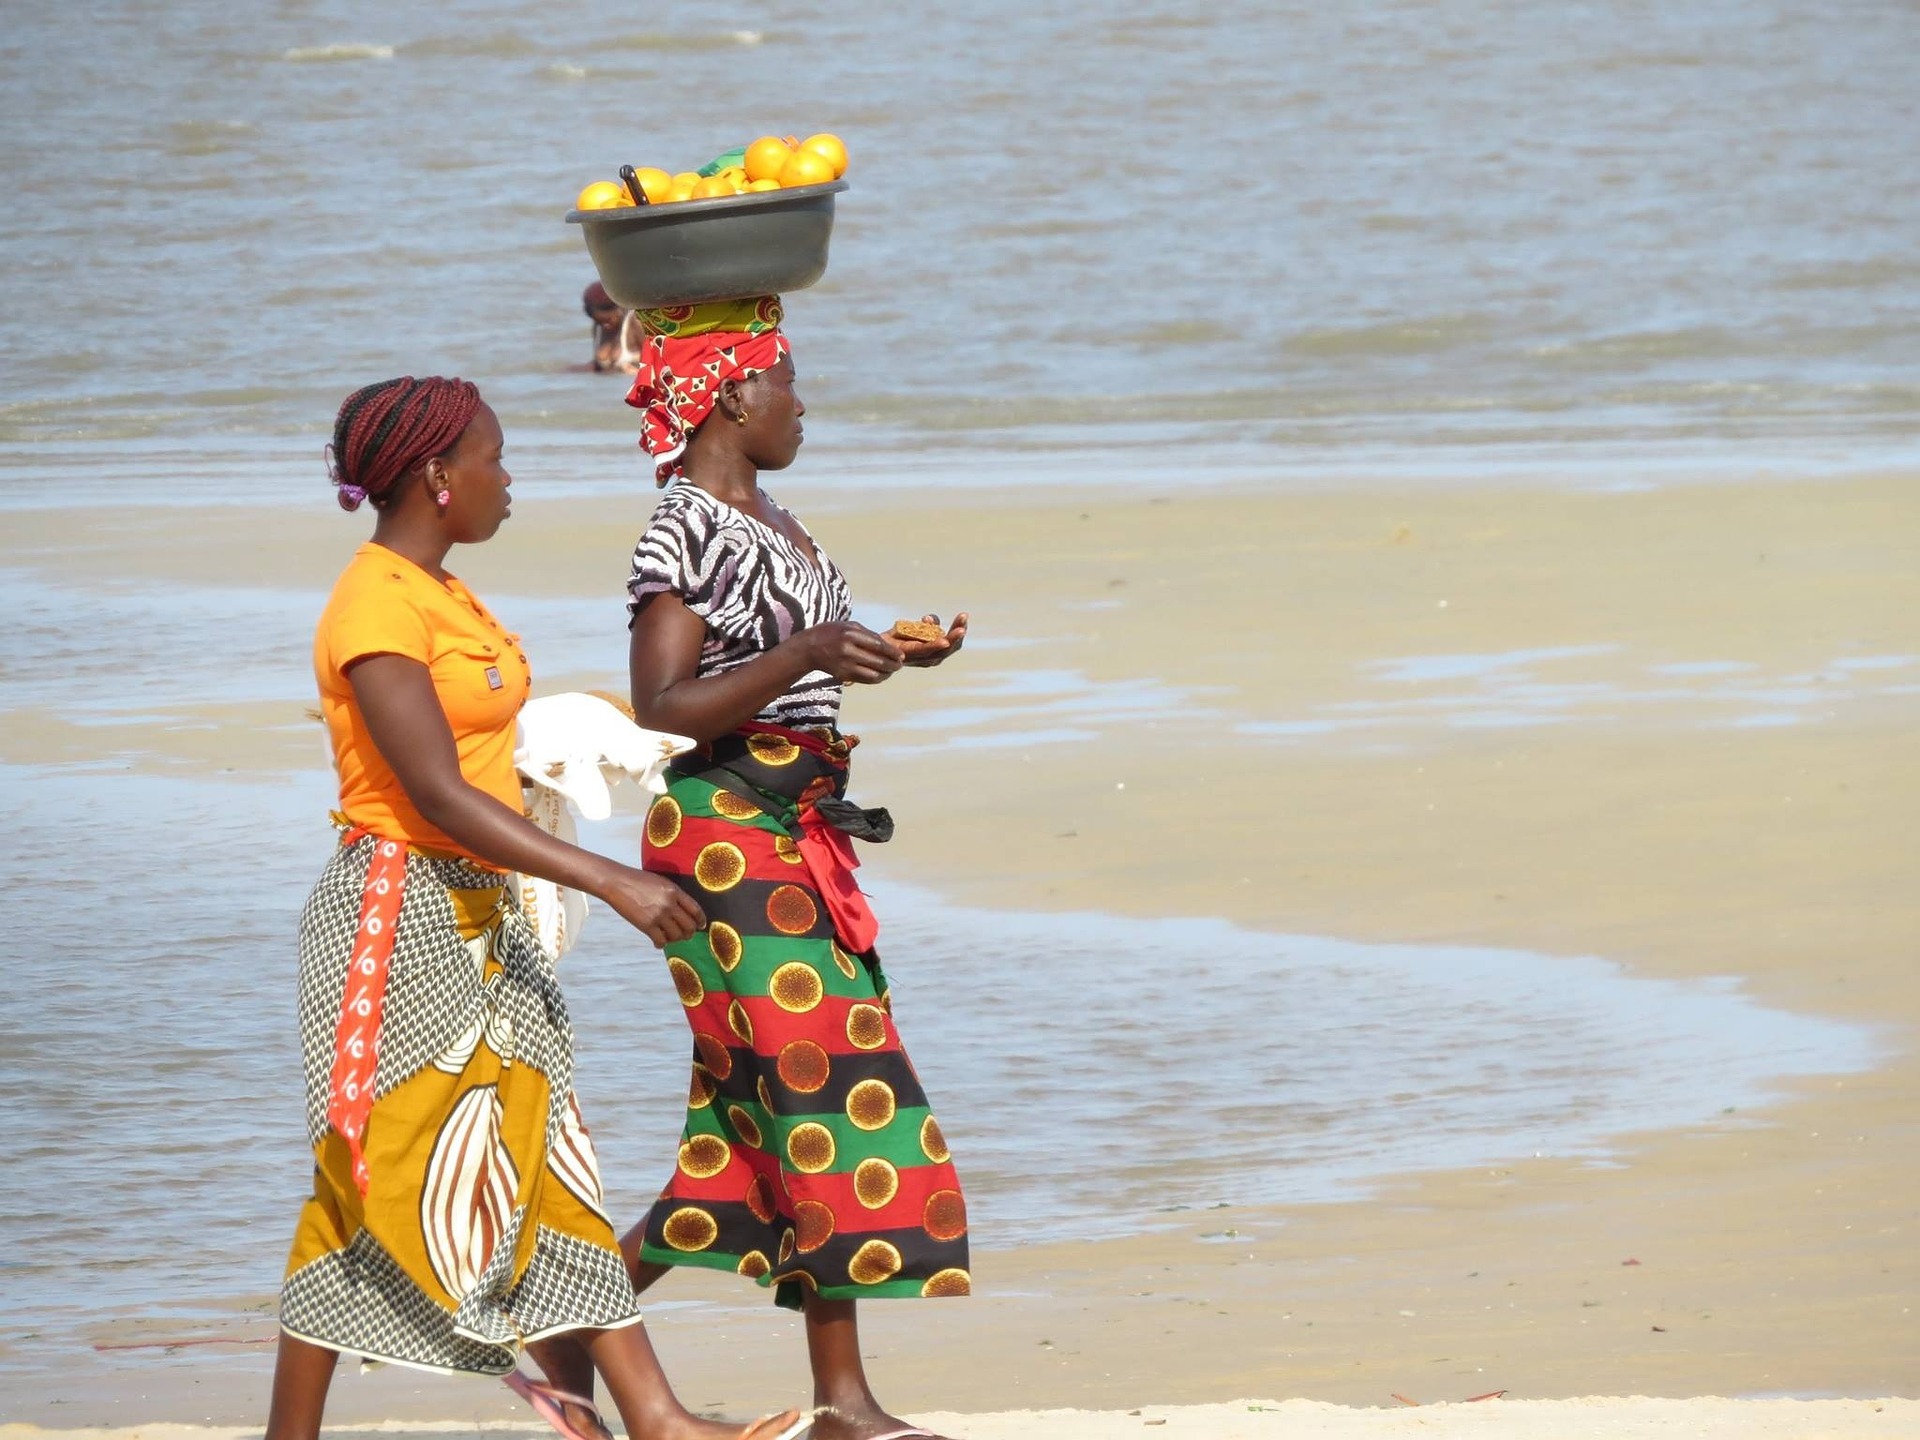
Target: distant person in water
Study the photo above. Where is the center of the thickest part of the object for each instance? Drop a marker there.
(616, 332)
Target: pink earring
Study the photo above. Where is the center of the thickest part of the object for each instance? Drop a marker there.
(443, 497)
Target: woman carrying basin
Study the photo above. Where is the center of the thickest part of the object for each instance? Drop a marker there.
(811, 1162)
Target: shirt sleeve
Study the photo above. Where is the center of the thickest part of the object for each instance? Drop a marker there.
(683, 553)
(380, 618)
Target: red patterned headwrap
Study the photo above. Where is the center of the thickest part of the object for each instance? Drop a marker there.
(689, 350)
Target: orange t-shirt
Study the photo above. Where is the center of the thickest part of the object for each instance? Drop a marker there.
(384, 604)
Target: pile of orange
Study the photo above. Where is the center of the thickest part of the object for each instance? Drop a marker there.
(773, 162)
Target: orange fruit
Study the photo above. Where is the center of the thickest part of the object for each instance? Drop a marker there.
(656, 183)
(806, 167)
(765, 156)
(603, 195)
(711, 187)
(682, 186)
(754, 186)
(831, 148)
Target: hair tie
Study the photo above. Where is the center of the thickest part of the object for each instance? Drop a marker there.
(349, 495)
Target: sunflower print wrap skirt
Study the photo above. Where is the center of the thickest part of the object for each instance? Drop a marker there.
(810, 1161)
(461, 1214)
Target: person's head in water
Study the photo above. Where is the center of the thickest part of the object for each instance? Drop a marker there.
(601, 308)
(428, 445)
(610, 329)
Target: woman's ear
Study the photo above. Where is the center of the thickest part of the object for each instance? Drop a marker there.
(730, 401)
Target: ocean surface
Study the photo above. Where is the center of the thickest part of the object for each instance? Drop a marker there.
(1442, 237)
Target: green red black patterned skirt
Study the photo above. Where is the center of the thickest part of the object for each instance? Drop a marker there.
(810, 1158)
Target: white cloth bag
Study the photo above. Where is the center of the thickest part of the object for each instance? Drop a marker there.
(572, 750)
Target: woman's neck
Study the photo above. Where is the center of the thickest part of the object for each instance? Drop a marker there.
(729, 476)
(425, 548)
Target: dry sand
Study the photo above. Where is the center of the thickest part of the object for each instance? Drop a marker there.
(1775, 1252)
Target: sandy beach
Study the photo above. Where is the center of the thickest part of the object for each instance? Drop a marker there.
(1766, 1255)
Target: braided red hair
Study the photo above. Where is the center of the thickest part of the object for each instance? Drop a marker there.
(385, 430)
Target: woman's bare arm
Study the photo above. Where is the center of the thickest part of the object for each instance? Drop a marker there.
(664, 653)
(403, 714)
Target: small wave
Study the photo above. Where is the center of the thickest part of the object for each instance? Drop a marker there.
(310, 53)
(205, 137)
(560, 70)
(1390, 222)
(1038, 228)
(1706, 342)
(1180, 332)
(1643, 60)
(661, 40)
(143, 415)
(506, 46)
(1156, 26)
(1853, 274)
(1400, 337)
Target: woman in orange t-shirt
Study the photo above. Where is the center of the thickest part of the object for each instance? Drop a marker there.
(457, 1211)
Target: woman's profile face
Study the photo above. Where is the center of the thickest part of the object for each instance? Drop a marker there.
(773, 431)
(477, 480)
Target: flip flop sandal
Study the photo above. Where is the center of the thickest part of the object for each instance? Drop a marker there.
(907, 1432)
(550, 1404)
(787, 1425)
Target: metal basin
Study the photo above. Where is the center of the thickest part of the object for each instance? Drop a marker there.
(726, 248)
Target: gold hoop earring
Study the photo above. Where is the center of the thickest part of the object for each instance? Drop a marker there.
(741, 418)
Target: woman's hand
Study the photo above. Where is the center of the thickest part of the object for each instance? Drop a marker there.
(657, 908)
(925, 653)
(850, 652)
(670, 694)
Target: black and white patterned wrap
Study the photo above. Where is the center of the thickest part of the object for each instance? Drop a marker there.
(359, 1301)
(434, 991)
(438, 1003)
(752, 585)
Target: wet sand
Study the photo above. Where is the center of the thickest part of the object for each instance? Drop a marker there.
(1768, 1254)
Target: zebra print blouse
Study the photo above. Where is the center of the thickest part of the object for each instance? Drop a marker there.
(752, 585)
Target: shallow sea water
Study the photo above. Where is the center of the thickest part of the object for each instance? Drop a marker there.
(1095, 1076)
(1152, 1069)
(1288, 238)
